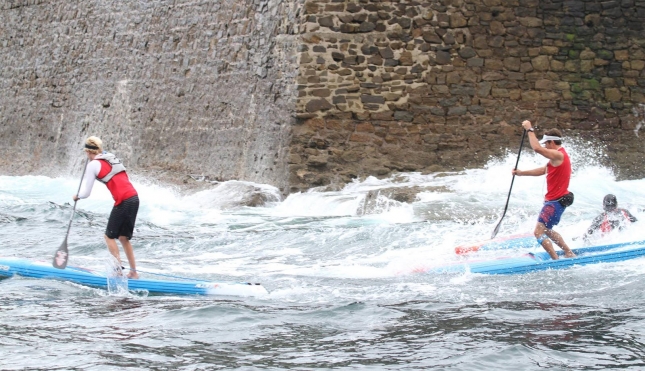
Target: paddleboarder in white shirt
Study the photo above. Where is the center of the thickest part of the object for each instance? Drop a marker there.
(108, 169)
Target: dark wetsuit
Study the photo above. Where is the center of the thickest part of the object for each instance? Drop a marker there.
(610, 220)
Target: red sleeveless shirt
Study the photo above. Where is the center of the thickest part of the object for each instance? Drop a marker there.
(557, 178)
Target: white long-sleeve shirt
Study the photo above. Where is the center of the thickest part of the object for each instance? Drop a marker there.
(91, 172)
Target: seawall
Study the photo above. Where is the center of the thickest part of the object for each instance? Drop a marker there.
(309, 93)
(425, 86)
(172, 87)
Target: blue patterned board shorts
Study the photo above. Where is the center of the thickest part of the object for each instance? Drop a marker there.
(551, 213)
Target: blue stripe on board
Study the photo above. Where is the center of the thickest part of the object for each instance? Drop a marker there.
(541, 261)
(12, 266)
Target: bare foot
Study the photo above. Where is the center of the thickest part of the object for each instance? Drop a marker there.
(569, 254)
(133, 275)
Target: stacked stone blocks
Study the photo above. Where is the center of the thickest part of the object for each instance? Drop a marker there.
(423, 85)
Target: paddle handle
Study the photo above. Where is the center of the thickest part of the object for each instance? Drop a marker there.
(511, 188)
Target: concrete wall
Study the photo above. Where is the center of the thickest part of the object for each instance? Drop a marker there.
(172, 87)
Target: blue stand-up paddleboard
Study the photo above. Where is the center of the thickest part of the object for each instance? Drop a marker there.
(526, 240)
(186, 286)
(539, 261)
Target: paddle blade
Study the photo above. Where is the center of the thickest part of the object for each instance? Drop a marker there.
(60, 257)
(508, 198)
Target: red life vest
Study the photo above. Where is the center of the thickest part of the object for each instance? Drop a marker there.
(557, 178)
(608, 226)
(119, 185)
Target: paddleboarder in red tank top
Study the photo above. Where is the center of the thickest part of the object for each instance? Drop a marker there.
(558, 197)
(109, 170)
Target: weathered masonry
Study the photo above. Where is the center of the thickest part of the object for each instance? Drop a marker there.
(174, 87)
(427, 85)
(306, 93)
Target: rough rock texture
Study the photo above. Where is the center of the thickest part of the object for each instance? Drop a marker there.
(424, 85)
(317, 92)
(172, 87)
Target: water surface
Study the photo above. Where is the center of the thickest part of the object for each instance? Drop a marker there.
(344, 292)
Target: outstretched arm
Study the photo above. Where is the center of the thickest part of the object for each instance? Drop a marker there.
(631, 217)
(91, 173)
(534, 172)
(595, 224)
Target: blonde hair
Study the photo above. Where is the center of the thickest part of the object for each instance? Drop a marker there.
(93, 142)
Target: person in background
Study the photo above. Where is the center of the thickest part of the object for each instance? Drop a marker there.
(109, 170)
(613, 217)
(558, 197)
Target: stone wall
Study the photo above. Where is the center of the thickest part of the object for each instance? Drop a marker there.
(424, 85)
(304, 93)
(172, 87)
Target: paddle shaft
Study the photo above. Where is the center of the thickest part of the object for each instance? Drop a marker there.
(511, 188)
(61, 254)
(69, 226)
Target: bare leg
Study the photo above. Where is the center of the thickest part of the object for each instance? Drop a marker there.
(113, 249)
(557, 238)
(540, 229)
(129, 253)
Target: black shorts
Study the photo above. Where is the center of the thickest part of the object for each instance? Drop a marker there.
(122, 218)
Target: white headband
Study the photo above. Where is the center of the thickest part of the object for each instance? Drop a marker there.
(547, 138)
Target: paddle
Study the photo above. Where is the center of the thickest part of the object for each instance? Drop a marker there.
(61, 255)
(499, 224)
